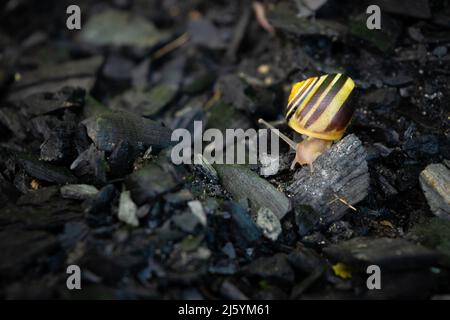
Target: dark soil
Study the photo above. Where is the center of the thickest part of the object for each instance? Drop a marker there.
(211, 60)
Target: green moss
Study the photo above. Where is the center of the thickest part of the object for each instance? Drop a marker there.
(435, 234)
(221, 116)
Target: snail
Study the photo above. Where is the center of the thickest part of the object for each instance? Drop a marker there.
(318, 109)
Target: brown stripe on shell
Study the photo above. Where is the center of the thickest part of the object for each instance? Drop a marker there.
(337, 86)
(342, 118)
(291, 105)
(297, 103)
(323, 86)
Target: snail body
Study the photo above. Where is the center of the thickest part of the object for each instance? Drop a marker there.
(319, 109)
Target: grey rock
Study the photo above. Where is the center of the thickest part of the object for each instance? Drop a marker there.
(197, 210)
(269, 223)
(435, 183)
(127, 209)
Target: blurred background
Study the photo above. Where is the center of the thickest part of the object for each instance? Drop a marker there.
(227, 63)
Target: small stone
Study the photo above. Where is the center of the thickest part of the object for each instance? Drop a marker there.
(440, 51)
(269, 223)
(127, 209)
(78, 191)
(229, 250)
(435, 183)
(197, 210)
(270, 164)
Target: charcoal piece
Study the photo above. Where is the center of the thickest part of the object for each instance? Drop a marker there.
(78, 191)
(76, 74)
(92, 108)
(102, 200)
(179, 197)
(81, 139)
(339, 231)
(109, 268)
(384, 39)
(435, 183)
(435, 234)
(127, 209)
(224, 116)
(205, 34)
(234, 90)
(73, 232)
(39, 196)
(120, 29)
(149, 183)
(140, 74)
(284, 18)
(22, 181)
(421, 146)
(186, 222)
(414, 285)
(203, 166)
(146, 102)
(415, 9)
(232, 292)
(143, 211)
(305, 260)
(21, 248)
(44, 216)
(8, 192)
(242, 183)
(118, 69)
(107, 130)
(45, 124)
(244, 226)
(44, 171)
(121, 159)
(59, 145)
(91, 162)
(306, 219)
(16, 122)
(339, 173)
(274, 268)
(198, 81)
(388, 254)
(45, 102)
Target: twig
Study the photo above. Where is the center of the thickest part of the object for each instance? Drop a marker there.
(260, 13)
(178, 42)
(336, 197)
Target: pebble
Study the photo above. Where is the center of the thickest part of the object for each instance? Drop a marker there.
(435, 183)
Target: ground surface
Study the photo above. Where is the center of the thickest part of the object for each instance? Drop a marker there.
(179, 61)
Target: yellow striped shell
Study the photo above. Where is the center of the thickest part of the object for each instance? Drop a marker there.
(317, 106)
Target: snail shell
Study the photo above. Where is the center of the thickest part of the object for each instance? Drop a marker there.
(318, 106)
